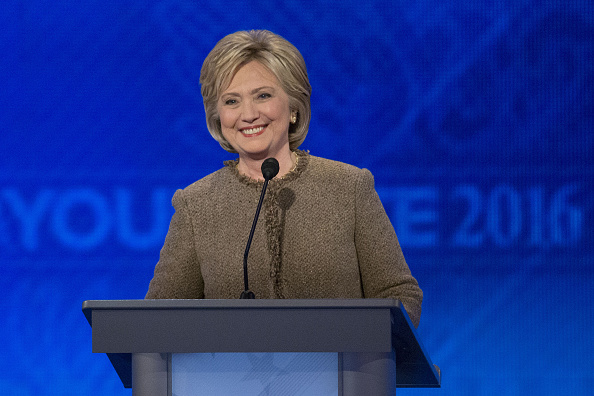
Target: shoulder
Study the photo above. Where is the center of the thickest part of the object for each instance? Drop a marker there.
(329, 170)
(210, 182)
(208, 186)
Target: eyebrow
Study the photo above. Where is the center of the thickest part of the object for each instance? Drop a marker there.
(253, 91)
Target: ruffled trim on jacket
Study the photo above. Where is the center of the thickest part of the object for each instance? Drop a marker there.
(302, 161)
(278, 200)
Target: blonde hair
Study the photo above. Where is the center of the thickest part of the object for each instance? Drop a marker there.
(272, 51)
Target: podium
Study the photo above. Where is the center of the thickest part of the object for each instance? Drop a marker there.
(371, 342)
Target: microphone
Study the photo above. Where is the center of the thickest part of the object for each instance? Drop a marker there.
(269, 169)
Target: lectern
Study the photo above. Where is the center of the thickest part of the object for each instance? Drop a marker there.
(337, 346)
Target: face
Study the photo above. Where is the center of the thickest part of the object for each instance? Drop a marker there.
(254, 113)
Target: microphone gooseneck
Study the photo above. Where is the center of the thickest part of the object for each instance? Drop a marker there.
(269, 169)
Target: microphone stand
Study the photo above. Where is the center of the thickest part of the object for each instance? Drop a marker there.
(270, 169)
(247, 293)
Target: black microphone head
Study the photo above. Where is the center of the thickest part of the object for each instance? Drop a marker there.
(270, 168)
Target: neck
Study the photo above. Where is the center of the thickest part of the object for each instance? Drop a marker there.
(252, 168)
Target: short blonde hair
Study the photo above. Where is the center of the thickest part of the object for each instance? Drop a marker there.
(274, 52)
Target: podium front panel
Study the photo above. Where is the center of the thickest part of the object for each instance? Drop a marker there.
(255, 374)
(243, 328)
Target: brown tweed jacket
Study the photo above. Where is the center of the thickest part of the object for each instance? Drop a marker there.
(322, 233)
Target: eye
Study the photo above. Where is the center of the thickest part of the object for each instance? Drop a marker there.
(264, 95)
(230, 102)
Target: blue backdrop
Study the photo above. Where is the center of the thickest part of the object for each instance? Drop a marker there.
(475, 117)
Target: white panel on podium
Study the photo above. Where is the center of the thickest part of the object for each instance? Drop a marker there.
(278, 373)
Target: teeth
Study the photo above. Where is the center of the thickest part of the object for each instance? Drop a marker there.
(252, 131)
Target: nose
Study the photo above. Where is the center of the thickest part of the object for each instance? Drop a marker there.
(249, 111)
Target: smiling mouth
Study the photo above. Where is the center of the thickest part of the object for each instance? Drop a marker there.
(255, 131)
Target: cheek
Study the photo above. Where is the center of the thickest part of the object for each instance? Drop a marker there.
(280, 111)
(227, 118)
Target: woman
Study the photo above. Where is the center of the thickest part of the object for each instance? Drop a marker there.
(324, 234)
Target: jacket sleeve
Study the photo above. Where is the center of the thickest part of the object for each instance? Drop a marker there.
(177, 274)
(384, 272)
